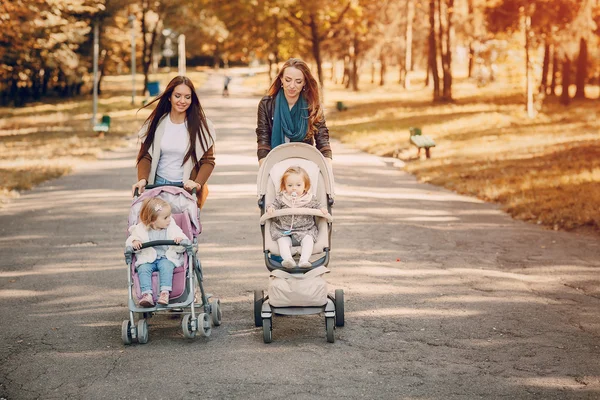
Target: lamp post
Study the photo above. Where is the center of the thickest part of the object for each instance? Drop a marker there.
(168, 47)
(181, 54)
(132, 21)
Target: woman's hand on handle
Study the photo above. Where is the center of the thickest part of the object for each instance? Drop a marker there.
(140, 185)
(191, 185)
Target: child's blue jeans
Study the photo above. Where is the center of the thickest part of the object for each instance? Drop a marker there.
(165, 274)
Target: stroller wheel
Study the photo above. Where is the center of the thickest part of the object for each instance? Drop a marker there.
(188, 326)
(126, 331)
(258, 302)
(215, 312)
(329, 328)
(204, 324)
(339, 307)
(267, 330)
(142, 331)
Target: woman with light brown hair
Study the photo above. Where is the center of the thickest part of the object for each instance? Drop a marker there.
(292, 112)
(177, 141)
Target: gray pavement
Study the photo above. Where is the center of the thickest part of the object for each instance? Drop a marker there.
(446, 297)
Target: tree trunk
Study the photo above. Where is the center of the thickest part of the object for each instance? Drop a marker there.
(355, 64)
(447, 57)
(147, 50)
(581, 76)
(410, 11)
(471, 10)
(545, 69)
(428, 69)
(553, 86)
(346, 77)
(372, 72)
(383, 69)
(528, 78)
(145, 7)
(316, 47)
(433, 52)
(565, 98)
(471, 59)
(333, 77)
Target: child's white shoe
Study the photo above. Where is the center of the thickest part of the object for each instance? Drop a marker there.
(305, 264)
(288, 263)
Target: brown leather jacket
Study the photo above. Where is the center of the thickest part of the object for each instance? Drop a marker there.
(264, 127)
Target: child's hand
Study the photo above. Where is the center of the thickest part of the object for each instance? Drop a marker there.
(270, 210)
(136, 244)
(324, 211)
(177, 240)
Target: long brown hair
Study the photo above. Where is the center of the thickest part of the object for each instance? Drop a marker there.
(196, 120)
(310, 93)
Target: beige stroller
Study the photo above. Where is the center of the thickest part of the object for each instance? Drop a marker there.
(297, 291)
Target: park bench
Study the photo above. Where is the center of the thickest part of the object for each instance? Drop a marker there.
(104, 124)
(421, 141)
(341, 106)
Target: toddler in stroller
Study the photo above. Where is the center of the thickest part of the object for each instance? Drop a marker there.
(302, 229)
(175, 205)
(296, 289)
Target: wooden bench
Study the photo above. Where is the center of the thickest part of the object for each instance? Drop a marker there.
(104, 124)
(421, 141)
(341, 106)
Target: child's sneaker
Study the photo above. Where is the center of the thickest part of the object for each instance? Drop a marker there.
(288, 263)
(164, 298)
(305, 264)
(146, 300)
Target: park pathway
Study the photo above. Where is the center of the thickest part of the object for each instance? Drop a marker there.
(446, 296)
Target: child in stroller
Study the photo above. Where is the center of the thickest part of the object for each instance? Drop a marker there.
(300, 289)
(187, 276)
(302, 229)
(156, 224)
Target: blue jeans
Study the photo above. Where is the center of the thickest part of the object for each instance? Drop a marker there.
(165, 274)
(159, 180)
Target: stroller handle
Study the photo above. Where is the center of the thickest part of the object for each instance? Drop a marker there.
(179, 185)
(187, 244)
(295, 211)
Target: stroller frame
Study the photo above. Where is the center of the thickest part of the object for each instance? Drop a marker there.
(333, 309)
(191, 322)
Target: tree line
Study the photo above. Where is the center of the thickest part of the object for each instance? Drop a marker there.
(46, 46)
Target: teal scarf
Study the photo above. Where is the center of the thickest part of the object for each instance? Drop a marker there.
(291, 123)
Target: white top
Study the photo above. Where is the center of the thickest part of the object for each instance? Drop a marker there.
(173, 146)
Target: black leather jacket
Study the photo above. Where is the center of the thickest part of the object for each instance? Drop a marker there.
(264, 127)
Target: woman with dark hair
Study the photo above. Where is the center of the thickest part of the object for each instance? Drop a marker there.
(292, 112)
(177, 141)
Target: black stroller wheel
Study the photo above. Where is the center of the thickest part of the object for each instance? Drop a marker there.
(258, 302)
(142, 331)
(215, 312)
(339, 307)
(126, 332)
(189, 326)
(329, 328)
(267, 330)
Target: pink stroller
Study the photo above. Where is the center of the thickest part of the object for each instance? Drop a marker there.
(183, 295)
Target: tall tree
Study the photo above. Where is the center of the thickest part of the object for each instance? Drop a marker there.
(433, 52)
(316, 20)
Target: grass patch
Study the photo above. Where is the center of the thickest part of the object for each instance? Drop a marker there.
(46, 140)
(544, 170)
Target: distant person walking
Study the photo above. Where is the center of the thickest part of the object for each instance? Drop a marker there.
(226, 85)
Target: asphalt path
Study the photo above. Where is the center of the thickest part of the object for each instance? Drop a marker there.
(446, 297)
